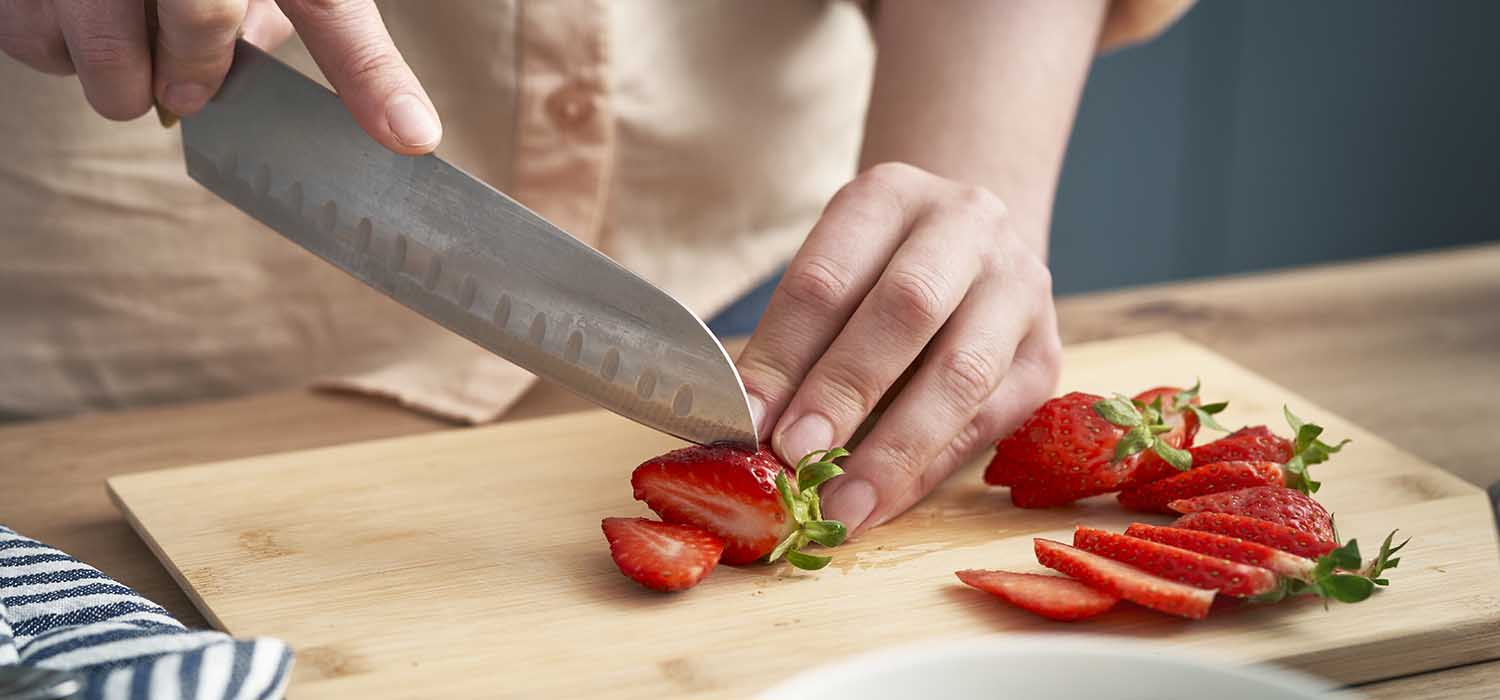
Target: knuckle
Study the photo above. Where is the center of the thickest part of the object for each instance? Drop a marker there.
(979, 201)
(847, 390)
(893, 174)
(105, 50)
(818, 283)
(369, 64)
(968, 375)
(213, 16)
(901, 459)
(912, 299)
(35, 51)
(766, 374)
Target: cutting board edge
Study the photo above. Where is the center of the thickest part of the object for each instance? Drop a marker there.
(166, 560)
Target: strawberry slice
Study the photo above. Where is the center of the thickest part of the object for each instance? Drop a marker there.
(761, 509)
(1053, 597)
(1178, 564)
(661, 556)
(1213, 478)
(1182, 412)
(1252, 444)
(1225, 547)
(1275, 504)
(1125, 581)
(1256, 530)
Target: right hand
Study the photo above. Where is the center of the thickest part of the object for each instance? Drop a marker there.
(105, 43)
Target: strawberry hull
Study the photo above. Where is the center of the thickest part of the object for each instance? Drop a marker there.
(1184, 428)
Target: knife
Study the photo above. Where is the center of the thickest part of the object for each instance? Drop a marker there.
(284, 150)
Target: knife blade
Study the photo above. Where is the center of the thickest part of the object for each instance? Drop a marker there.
(284, 150)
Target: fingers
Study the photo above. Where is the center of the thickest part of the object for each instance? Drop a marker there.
(266, 25)
(106, 42)
(944, 412)
(30, 34)
(837, 266)
(194, 47)
(919, 290)
(351, 45)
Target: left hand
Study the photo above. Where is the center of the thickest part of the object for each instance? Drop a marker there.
(904, 269)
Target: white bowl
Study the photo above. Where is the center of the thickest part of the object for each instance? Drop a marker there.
(1036, 667)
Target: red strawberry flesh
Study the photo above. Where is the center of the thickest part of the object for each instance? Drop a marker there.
(1255, 530)
(1125, 581)
(1177, 564)
(1275, 504)
(1225, 547)
(725, 490)
(1211, 478)
(661, 556)
(1053, 597)
(1252, 444)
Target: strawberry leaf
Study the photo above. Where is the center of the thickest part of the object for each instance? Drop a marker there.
(1307, 451)
(810, 562)
(813, 475)
(1118, 411)
(1345, 557)
(1348, 588)
(783, 487)
(1206, 414)
(1133, 441)
(829, 533)
(784, 546)
(1184, 398)
(1385, 561)
(1181, 460)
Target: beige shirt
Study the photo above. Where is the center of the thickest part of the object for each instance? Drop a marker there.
(694, 142)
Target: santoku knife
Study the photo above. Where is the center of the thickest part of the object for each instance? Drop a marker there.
(282, 148)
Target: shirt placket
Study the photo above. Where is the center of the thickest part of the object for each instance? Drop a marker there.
(563, 125)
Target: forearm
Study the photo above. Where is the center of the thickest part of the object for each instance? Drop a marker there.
(983, 92)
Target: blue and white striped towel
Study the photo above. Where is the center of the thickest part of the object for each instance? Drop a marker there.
(59, 613)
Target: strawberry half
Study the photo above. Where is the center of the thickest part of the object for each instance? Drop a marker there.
(1225, 547)
(1125, 581)
(1275, 504)
(1253, 444)
(1213, 478)
(1180, 410)
(761, 508)
(1053, 597)
(661, 556)
(1074, 446)
(1256, 530)
(1178, 564)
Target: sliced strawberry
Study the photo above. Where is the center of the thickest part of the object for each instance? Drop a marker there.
(1225, 547)
(1125, 581)
(1212, 478)
(662, 556)
(1074, 446)
(1053, 597)
(1177, 564)
(1252, 444)
(1180, 410)
(1255, 530)
(1275, 504)
(725, 490)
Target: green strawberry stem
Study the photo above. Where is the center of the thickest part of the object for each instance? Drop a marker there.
(1183, 401)
(803, 504)
(1341, 575)
(1307, 450)
(1143, 424)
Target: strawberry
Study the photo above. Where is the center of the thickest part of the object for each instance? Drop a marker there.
(1052, 597)
(1176, 564)
(1213, 478)
(662, 556)
(1125, 581)
(1255, 530)
(1225, 547)
(1179, 409)
(747, 498)
(1282, 506)
(1253, 444)
(1074, 446)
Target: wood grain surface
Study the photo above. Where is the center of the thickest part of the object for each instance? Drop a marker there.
(378, 560)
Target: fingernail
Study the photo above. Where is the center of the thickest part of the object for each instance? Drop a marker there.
(185, 98)
(810, 432)
(414, 125)
(757, 413)
(850, 503)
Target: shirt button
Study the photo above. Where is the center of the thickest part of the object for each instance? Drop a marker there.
(571, 105)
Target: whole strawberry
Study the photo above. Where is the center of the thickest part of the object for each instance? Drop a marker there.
(1077, 445)
(761, 508)
(1276, 504)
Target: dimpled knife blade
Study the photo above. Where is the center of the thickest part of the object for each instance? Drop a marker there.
(283, 149)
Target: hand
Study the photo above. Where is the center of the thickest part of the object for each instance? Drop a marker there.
(106, 43)
(904, 270)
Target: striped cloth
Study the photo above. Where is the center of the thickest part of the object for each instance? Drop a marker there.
(59, 613)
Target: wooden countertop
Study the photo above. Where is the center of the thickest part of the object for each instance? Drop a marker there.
(1406, 346)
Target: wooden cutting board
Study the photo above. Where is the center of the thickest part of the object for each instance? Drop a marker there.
(470, 563)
